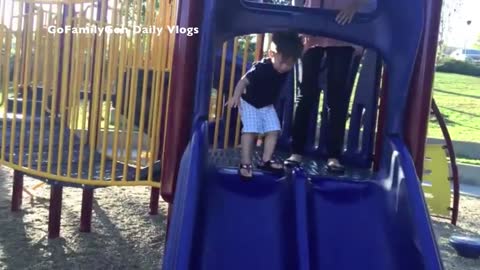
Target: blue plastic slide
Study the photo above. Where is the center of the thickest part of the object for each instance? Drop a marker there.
(295, 222)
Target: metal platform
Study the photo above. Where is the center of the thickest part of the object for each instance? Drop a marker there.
(39, 157)
(229, 158)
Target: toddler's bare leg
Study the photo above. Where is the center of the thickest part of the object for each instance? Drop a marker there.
(269, 147)
(248, 140)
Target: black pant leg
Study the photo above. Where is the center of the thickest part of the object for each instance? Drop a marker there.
(309, 92)
(339, 63)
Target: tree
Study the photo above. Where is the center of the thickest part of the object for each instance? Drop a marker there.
(477, 43)
(450, 8)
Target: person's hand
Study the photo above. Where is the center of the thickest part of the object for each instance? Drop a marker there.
(233, 102)
(345, 15)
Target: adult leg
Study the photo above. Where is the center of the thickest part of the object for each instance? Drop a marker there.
(309, 92)
(339, 62)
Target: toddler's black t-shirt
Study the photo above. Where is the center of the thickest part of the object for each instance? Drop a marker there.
(265, 84)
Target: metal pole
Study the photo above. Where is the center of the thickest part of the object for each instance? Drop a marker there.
(179, 102)
(420, 97)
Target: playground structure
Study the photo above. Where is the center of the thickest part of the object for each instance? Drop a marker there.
(80, 109)
(309, 219)
(118, 115)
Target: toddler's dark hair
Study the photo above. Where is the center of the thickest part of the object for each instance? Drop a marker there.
(289, 44)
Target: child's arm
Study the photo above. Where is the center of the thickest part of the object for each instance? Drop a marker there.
(240, 88)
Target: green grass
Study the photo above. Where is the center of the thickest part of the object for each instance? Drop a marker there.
(458, 98)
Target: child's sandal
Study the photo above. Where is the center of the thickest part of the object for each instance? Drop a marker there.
(247, 167)
(290, 163)
(335, 168)
(267, 166)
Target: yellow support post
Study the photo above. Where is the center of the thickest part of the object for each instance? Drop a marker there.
(119, 57)
(230, 91)
(219, 97)
(86, 104)
(157, 90)
(54, 92)
(34, 88)
(64, 91)
(46, 87)
(435, 181)
(133, 96)
(16, 71)
(25, 83)
(146, 69)
(111, 45)
(74, 88)
(244, 69)
(119, 98)
(6, 76)
(96, 95)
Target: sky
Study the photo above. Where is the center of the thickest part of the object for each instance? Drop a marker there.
(463, 34)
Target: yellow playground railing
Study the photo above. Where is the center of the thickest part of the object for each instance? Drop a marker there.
(83, 90)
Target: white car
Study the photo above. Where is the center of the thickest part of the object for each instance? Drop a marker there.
(469, 55)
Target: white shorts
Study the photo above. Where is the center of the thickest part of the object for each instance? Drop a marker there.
(256, 120)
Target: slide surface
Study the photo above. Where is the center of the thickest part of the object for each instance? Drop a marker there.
(298, 222)
(252, 226)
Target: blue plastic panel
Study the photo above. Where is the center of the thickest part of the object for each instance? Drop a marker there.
(220, 222)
